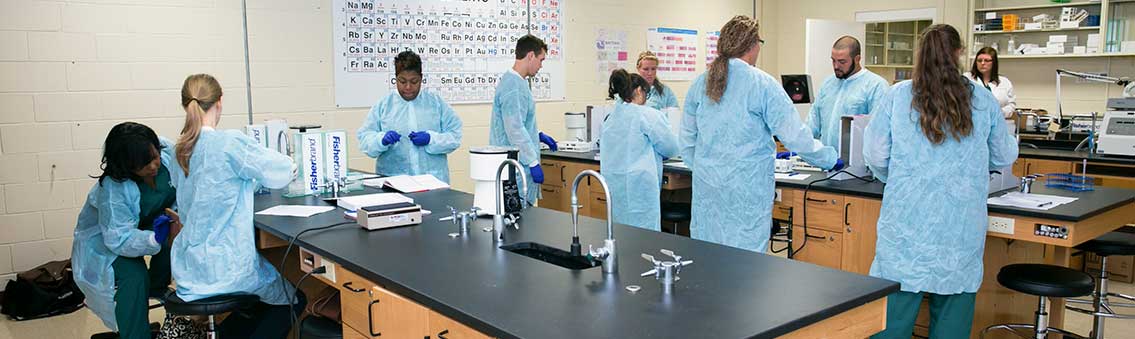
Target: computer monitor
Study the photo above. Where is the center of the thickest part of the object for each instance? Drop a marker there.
(798, 87)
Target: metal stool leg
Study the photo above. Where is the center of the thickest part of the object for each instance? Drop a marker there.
(1042, 319)
(212, 332)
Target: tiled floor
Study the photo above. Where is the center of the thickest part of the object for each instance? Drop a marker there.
(83, 323)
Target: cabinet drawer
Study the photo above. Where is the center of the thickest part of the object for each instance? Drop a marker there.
(1040, 166)
(824, 248)
(441, 327)
(825, 211)
(552, 197)
(553, 173)
(598, 207)
(397, 317)
(355, 296)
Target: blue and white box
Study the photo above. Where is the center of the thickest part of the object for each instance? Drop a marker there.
(335, 153)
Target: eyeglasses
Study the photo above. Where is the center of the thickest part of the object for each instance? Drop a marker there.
(984, 61)
(761, 41)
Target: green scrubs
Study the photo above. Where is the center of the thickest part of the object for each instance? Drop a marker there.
(135, 283)
(951, 316)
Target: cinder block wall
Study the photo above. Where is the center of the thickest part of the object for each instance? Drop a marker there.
(69, 70)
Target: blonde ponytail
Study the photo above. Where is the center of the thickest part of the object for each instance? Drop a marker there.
(198, 94)
(738, 36)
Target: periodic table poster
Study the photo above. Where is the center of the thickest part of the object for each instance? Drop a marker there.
(465, 46)
(677, 51)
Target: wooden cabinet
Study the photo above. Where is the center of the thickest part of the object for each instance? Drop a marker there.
(841, 229)
(373, 312)
(553, 197)
(556, 190)
(553, 172)
(822, 247)
(598, 207)
(441, 327)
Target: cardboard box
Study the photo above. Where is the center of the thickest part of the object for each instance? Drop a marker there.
(1119, 268)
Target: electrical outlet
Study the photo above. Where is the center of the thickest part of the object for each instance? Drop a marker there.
(330, 275)
(777, 196)
(1001, 225)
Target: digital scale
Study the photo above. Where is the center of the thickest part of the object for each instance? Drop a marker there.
(389, 215)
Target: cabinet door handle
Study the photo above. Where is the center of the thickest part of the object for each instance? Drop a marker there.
(347, 285)
(562, 178)
(601, 199)
(441, 335)
(1028, 168)
(818, 237)
(845, 206)
(819, 200)
(370, 319)
(549, 190)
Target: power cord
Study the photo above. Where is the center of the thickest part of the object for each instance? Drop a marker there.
(317, 270)
(283, 268)
(805, 207)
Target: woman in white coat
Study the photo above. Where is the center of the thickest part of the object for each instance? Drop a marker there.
(984, 72)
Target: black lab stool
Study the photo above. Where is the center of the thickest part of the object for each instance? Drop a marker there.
(1114, 243)
(1044, 281)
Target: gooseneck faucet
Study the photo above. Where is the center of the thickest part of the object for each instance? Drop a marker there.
(499, 220)
(607, 253)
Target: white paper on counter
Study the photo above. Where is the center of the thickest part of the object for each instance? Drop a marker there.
(408, 184)
(301, 211)
(1030, 201)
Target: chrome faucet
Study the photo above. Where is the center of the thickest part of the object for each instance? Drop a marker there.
(283, 136)
(607, 253)
(1017, 126)
(499, 219)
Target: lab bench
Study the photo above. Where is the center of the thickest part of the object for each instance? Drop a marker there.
(842, 216)
(418, 282)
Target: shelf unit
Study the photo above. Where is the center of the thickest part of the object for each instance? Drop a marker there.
(1112, 30)
(881, 55)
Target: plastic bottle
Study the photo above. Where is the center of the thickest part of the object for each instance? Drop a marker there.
(995, 47)
(1012, 46)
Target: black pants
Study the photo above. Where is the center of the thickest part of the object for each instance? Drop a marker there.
(262, 320)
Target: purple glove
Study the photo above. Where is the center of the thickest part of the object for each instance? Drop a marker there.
(161, 228)
(537, 174)
(390, 138)
(547, 140)
(838, 165)
(785, 155)
(420, 138)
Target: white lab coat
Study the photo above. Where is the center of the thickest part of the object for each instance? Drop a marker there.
(1003, 91)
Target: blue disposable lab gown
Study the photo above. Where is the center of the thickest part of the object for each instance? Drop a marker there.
(514, 124)
(633, 164)
(428, 112)
(931, 229)
(844, 97)
(215, 253)
(729, 147)
(106, 229)
(660, 100)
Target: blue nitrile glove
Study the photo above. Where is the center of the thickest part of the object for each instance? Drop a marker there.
(420, 138)
(838, 165)
(785, 155)
(161, 228)
(547, 140)
(537, 174)
(390, 138)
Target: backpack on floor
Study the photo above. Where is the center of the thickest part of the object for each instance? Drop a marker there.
(45, 291)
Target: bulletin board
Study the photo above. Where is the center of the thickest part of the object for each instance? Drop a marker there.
(465, 46)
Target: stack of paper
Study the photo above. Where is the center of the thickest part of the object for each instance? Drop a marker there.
(353, 203)
(791, 176)
(295, 210)
(1030, 201)
(408, 184)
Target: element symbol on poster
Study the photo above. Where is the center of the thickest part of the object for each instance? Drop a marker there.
(465, 46)
(677, 51)
(711, 47)
(611, 47)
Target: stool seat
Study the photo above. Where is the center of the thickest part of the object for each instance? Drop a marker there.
(1113, 243)
(1046, 280)
(675, 212)
(316, 327)
(209, 306)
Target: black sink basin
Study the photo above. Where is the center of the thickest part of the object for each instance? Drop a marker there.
(1067, 145)
(551, 255)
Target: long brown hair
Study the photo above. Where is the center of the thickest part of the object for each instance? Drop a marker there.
(941, 94)
(738, 36)
(198, 94)
(993, 75)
